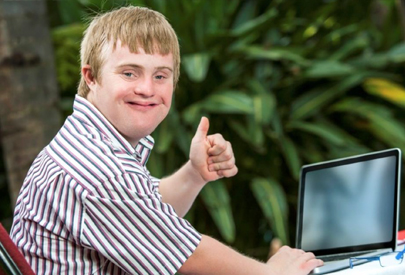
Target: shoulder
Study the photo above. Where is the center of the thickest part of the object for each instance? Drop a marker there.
(84, 153)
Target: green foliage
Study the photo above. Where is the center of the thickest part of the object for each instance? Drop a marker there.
(216, 198)
(272, 200)
(287, 82)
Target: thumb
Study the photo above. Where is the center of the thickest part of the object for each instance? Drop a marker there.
(202, 130)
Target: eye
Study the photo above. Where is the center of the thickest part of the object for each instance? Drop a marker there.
(160, 77)
(128, 74)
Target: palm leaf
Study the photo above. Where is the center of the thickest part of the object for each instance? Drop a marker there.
(263, 108)
(254, 24)
(291, 156)
(163, 136)
(217, 201)
(196, 65)
(264, 102)
(70, 11)
(386, 89)
(273, 203)
(327, 133)
(397, 53)
(313, 101)
(328, 68)
(350, 47)
(231, 102)
(274, 54)
(381, 120)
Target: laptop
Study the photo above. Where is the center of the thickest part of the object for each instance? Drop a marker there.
(349, 207)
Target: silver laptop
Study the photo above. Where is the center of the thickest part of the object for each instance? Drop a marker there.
(349, 207)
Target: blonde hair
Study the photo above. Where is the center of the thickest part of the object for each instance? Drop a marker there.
(135, 27)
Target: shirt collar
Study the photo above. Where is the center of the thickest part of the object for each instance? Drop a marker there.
(89, 114)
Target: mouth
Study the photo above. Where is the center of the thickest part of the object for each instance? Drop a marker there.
(142, 104)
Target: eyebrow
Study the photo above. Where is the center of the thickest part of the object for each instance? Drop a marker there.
(135, 66)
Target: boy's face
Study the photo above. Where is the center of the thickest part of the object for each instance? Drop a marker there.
(134, 91)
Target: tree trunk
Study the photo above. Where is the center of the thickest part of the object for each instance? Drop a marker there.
(29, 115)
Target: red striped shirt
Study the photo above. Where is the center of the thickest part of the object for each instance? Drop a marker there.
(90, 206)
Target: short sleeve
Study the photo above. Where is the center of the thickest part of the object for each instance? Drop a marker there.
(136, 231)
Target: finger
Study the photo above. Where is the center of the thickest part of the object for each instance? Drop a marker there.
(306, 256)
(218, 145)
(202, 130)
(228, 172)
(226, 156)
(311, 264)
(221, 165)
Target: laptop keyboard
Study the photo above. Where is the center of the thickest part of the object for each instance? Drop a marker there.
(338, 257)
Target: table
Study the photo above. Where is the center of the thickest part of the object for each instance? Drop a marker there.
(374, 267)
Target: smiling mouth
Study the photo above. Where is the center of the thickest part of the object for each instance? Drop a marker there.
(142, 104)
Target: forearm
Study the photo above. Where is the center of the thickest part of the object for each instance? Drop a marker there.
(213, 257)
(181, 188)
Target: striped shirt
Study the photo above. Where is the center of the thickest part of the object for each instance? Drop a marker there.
(90, 206)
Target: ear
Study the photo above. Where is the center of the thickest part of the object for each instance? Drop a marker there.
(88, 76)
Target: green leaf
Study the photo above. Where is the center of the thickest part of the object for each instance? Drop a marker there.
(397, 53)
(163, 135)
(381, 121)
(389, 130)
(274, 54)
(252, 133)
(265, 96)
(310, 31)
(240, 129)
(156, 166)
(328, 68)
(196, 66)
(159, 5)
(273, 202)
(360, 107)
(336, 152)
(246, 13)
(68, 32)
(290, 155)
(70, 11)
(350, 47)
(192, 114)
(320, 130)
(340, 33)
(232, 102)
(255, 23)
(376, 61)
(313, 101)
(263, 108)
(217, 200)
(277, 125)
(183, 137)
(255, 132)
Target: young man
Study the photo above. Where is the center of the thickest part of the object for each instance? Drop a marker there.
(89, 204)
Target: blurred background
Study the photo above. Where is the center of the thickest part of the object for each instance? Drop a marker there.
(287, 82)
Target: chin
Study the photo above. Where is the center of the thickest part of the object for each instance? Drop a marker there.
(141, 132)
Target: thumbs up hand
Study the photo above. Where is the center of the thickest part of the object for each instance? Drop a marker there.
(211, 155)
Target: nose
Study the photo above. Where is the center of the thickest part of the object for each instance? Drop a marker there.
(144, 87)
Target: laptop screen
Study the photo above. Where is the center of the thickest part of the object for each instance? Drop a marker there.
(349, 204)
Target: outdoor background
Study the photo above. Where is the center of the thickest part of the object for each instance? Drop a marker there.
(286, 82)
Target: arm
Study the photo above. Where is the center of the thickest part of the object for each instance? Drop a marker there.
(181, 188)
(211, 158)
(212, 257)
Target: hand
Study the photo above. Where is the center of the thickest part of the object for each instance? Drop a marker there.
(293, 261)
(211, 156)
